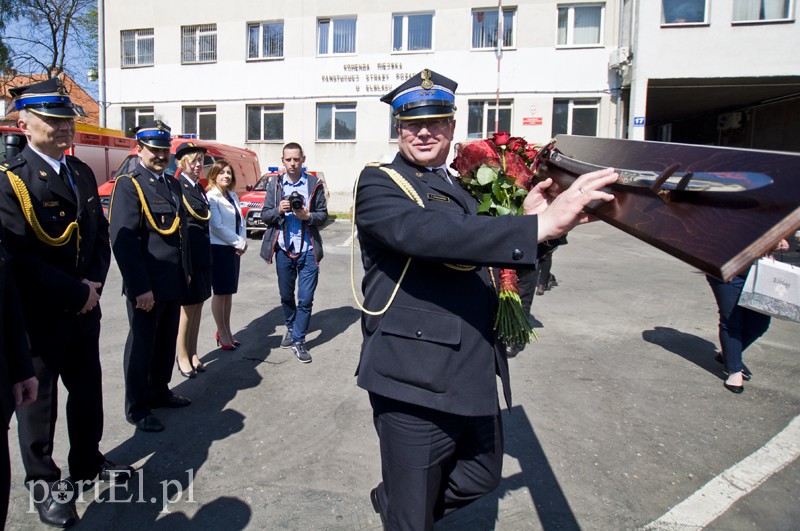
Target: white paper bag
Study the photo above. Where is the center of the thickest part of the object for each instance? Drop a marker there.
(773, 288)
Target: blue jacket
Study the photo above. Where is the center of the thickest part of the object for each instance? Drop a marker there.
(274, 219)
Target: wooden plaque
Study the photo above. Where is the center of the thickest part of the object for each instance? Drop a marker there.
(720, 233)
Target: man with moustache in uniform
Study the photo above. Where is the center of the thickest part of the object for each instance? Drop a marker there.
(150, 243)
(53, 226)
(429, 356)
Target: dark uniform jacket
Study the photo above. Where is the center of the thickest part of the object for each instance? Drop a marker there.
(199, 239)
(49, 278)
(15, 359)
(435, 345)
(147, 259)
(273, 218)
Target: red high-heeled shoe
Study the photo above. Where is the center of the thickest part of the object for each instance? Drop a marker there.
(222, 345)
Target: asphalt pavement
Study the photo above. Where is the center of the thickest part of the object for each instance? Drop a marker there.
(619, 412)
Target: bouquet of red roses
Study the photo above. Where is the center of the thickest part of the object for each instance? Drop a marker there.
(498, 172)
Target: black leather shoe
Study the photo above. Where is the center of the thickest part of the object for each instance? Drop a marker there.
(149, 423)
(190, 374)
(738, 389)
(57, 514)
(746, 374)
(116, 473)
(171, 401)
(376, 505)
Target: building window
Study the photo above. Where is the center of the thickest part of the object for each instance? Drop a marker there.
(265, 40)
(137, 47)
(336, 35)
(757, 10)
(575, 117)
(412, 32)
(683, 11)
(580, 25)
(264, 122)
(393, 135)
(133, 116)
(482, 115)
(336, 121)
(200, 121)
(199, 43)
(485, 28)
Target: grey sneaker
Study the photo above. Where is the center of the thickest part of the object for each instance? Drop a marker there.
(286, 342)
(299, 350)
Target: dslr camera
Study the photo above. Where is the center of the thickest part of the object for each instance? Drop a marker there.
(296, 201)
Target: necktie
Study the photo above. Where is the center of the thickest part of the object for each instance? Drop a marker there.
(443, 174)
(65, 177)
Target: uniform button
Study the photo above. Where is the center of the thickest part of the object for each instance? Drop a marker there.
(517, 254)
(419, 333)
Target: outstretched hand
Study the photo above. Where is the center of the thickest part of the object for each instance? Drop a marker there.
(559, 211)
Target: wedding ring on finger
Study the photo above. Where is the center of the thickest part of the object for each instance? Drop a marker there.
(581, 190)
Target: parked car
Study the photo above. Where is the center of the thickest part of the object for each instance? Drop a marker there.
(244, 163)
(103, 150)
(252, 201)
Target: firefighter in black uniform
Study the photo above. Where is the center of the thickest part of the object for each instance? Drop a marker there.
(53, 226)
(150, 244)
(429, 357)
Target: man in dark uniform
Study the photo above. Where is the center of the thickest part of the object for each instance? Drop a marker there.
(18, 385)
(429, 357)
(55, 230)
(150, 243)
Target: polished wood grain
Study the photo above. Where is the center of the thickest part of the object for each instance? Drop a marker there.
(720, 233)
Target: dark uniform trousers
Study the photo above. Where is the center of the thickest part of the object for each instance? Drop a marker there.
(421, 446)
(63, 343)
(77, 363)
(149, 355)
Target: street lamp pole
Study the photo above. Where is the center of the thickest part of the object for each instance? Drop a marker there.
(101, 60)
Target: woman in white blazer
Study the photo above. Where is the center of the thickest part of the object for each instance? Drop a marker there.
(228, 244)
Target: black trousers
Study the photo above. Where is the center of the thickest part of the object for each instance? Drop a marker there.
(149, 355)
(5, 478)
(432, 462)
(78, 366)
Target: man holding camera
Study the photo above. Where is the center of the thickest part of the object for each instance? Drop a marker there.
(294, 209)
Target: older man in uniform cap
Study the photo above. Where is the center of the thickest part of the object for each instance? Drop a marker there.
(429, 357)
(150, 242)
(56, 232)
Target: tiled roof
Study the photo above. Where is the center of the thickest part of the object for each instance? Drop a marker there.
(76, 94)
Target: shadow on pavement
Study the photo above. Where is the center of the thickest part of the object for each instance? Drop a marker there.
(536, 475)
(695, 349)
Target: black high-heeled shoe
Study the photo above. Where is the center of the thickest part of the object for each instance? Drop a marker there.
(746, 374)
(200, 367)
(737, 389)
(190, 374)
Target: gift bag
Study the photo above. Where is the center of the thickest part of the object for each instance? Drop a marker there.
(773, 288)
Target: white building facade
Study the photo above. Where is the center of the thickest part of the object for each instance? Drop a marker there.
(260, 74)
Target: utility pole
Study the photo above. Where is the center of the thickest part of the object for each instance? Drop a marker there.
(499, 54)
(101, 60)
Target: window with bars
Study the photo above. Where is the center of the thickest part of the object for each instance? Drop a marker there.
(575, 117)
(200, 121)
(761, 10)
(336, 121)
(412, 32)
(138, 47)
(683, 11)
(580, 25)
(134, 116)
(264, 122)
(199, 43)
(486, 28)
(265, 40)
(336, 35)
(482, 114)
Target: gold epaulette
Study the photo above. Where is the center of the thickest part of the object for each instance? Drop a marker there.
(145, 208)
(26, 205)
(375, 164)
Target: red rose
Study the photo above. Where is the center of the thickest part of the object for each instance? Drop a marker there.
(530, 152)
(501, 139)
(517, 145)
